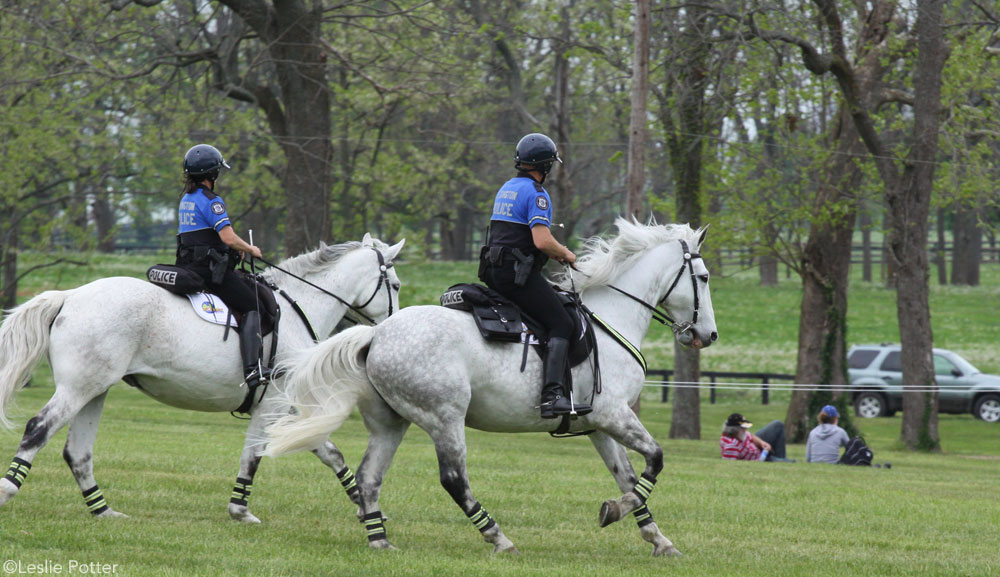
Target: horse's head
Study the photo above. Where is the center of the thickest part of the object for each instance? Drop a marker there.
(686, 295)
(382, 300)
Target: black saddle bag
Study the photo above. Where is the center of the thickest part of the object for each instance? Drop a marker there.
(496, 317)
(175, 279)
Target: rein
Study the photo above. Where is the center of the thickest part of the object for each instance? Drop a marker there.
(660, 315)
(383, 279)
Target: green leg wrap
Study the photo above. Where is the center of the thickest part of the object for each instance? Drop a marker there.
(241, 491)
(18, 471)
(480, 518)
(94, 499)
(644, 486)
(374, 526)
(642, 516)
(348, 481)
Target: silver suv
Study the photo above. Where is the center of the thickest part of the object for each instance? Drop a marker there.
(876, 376)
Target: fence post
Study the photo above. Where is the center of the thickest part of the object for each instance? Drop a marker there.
(711, 388)
(764, 392)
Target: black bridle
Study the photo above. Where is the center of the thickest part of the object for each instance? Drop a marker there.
(660, 315)
(383, 279)
(357, 310)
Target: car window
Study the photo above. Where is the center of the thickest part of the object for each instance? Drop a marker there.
(943, 366)
(861, 358)
(892, 362)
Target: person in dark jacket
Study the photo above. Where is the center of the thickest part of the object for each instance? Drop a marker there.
(208, 246)
(519, 244)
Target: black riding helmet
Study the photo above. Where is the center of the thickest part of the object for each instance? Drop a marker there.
(536, 152)
(204, 161)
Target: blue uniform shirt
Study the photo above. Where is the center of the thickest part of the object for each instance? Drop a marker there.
(520, 201)
(201, 210)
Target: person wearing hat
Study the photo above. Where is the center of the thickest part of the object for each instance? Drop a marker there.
(739, 444)
(827, 438)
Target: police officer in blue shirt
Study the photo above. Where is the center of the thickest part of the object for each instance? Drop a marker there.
(208, 246)
(520, 242)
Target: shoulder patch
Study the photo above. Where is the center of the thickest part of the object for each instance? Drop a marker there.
(541, 203)
(218, 208)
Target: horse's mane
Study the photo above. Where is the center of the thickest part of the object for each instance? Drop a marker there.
(320, 259)
(601, 261)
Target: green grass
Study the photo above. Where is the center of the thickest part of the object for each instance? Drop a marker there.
(172, 471)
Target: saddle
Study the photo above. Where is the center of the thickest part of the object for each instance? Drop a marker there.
(499, 319)
(183, 282)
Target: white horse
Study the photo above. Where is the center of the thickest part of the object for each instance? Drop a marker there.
(125, 328)
(429, 365)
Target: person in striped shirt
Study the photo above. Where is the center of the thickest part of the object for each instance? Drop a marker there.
(739, 444)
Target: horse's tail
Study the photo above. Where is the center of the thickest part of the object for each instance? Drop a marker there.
(323, 385)
(24, 339)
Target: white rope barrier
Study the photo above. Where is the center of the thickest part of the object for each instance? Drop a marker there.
(782, 386)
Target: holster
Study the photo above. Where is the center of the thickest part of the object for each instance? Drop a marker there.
(523, 265)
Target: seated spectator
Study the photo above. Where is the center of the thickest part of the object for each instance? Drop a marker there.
(738, 443)
(827, 438)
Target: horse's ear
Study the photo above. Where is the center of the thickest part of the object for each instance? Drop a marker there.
(701, 238)
(393, 251)
(367, 240)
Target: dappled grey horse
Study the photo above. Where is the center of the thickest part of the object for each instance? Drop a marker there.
(429, 365)
(125, 328)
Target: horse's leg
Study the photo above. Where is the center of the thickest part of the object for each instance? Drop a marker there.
(449, 442)
(79, 455)
(625, 428)
(616, 459)
(40, 429)
(253, 447)
(331, 456)
(385, 432)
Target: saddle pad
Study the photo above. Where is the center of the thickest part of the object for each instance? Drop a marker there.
(210, 307)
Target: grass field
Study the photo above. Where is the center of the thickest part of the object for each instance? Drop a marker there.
(172, 471)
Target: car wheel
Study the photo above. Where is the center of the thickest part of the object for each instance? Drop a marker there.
(869, 405)
(987, 408)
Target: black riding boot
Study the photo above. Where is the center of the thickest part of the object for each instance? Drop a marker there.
(250, 349)
(555, 402)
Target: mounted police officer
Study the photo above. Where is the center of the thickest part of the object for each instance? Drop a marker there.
(208, 246)
(520, 242)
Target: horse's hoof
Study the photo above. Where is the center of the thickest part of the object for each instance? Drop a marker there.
(242, 514)
(512, 550)
(611, 511)
(7, 490)
(381, 544)
(111, 514)
(666, 550)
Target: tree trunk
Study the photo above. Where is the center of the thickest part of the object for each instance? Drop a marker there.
(826, 266)
(967, 247)
(686, 149)
(299, 118)
(637, 121)
(104, 222)
(866, 244)
(940, 261)
(768, 267)
(909, 207)
(8, 264)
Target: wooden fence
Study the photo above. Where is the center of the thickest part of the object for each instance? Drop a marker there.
(713, 376)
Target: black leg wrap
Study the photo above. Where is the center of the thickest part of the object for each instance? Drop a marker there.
(94, 499)
(241, 491)
(17, 471)
(480, 518)
(644, 486)
(348, 481)
(374, 526)
(642, 516)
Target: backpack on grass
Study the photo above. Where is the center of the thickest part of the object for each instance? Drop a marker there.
(856, 453)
